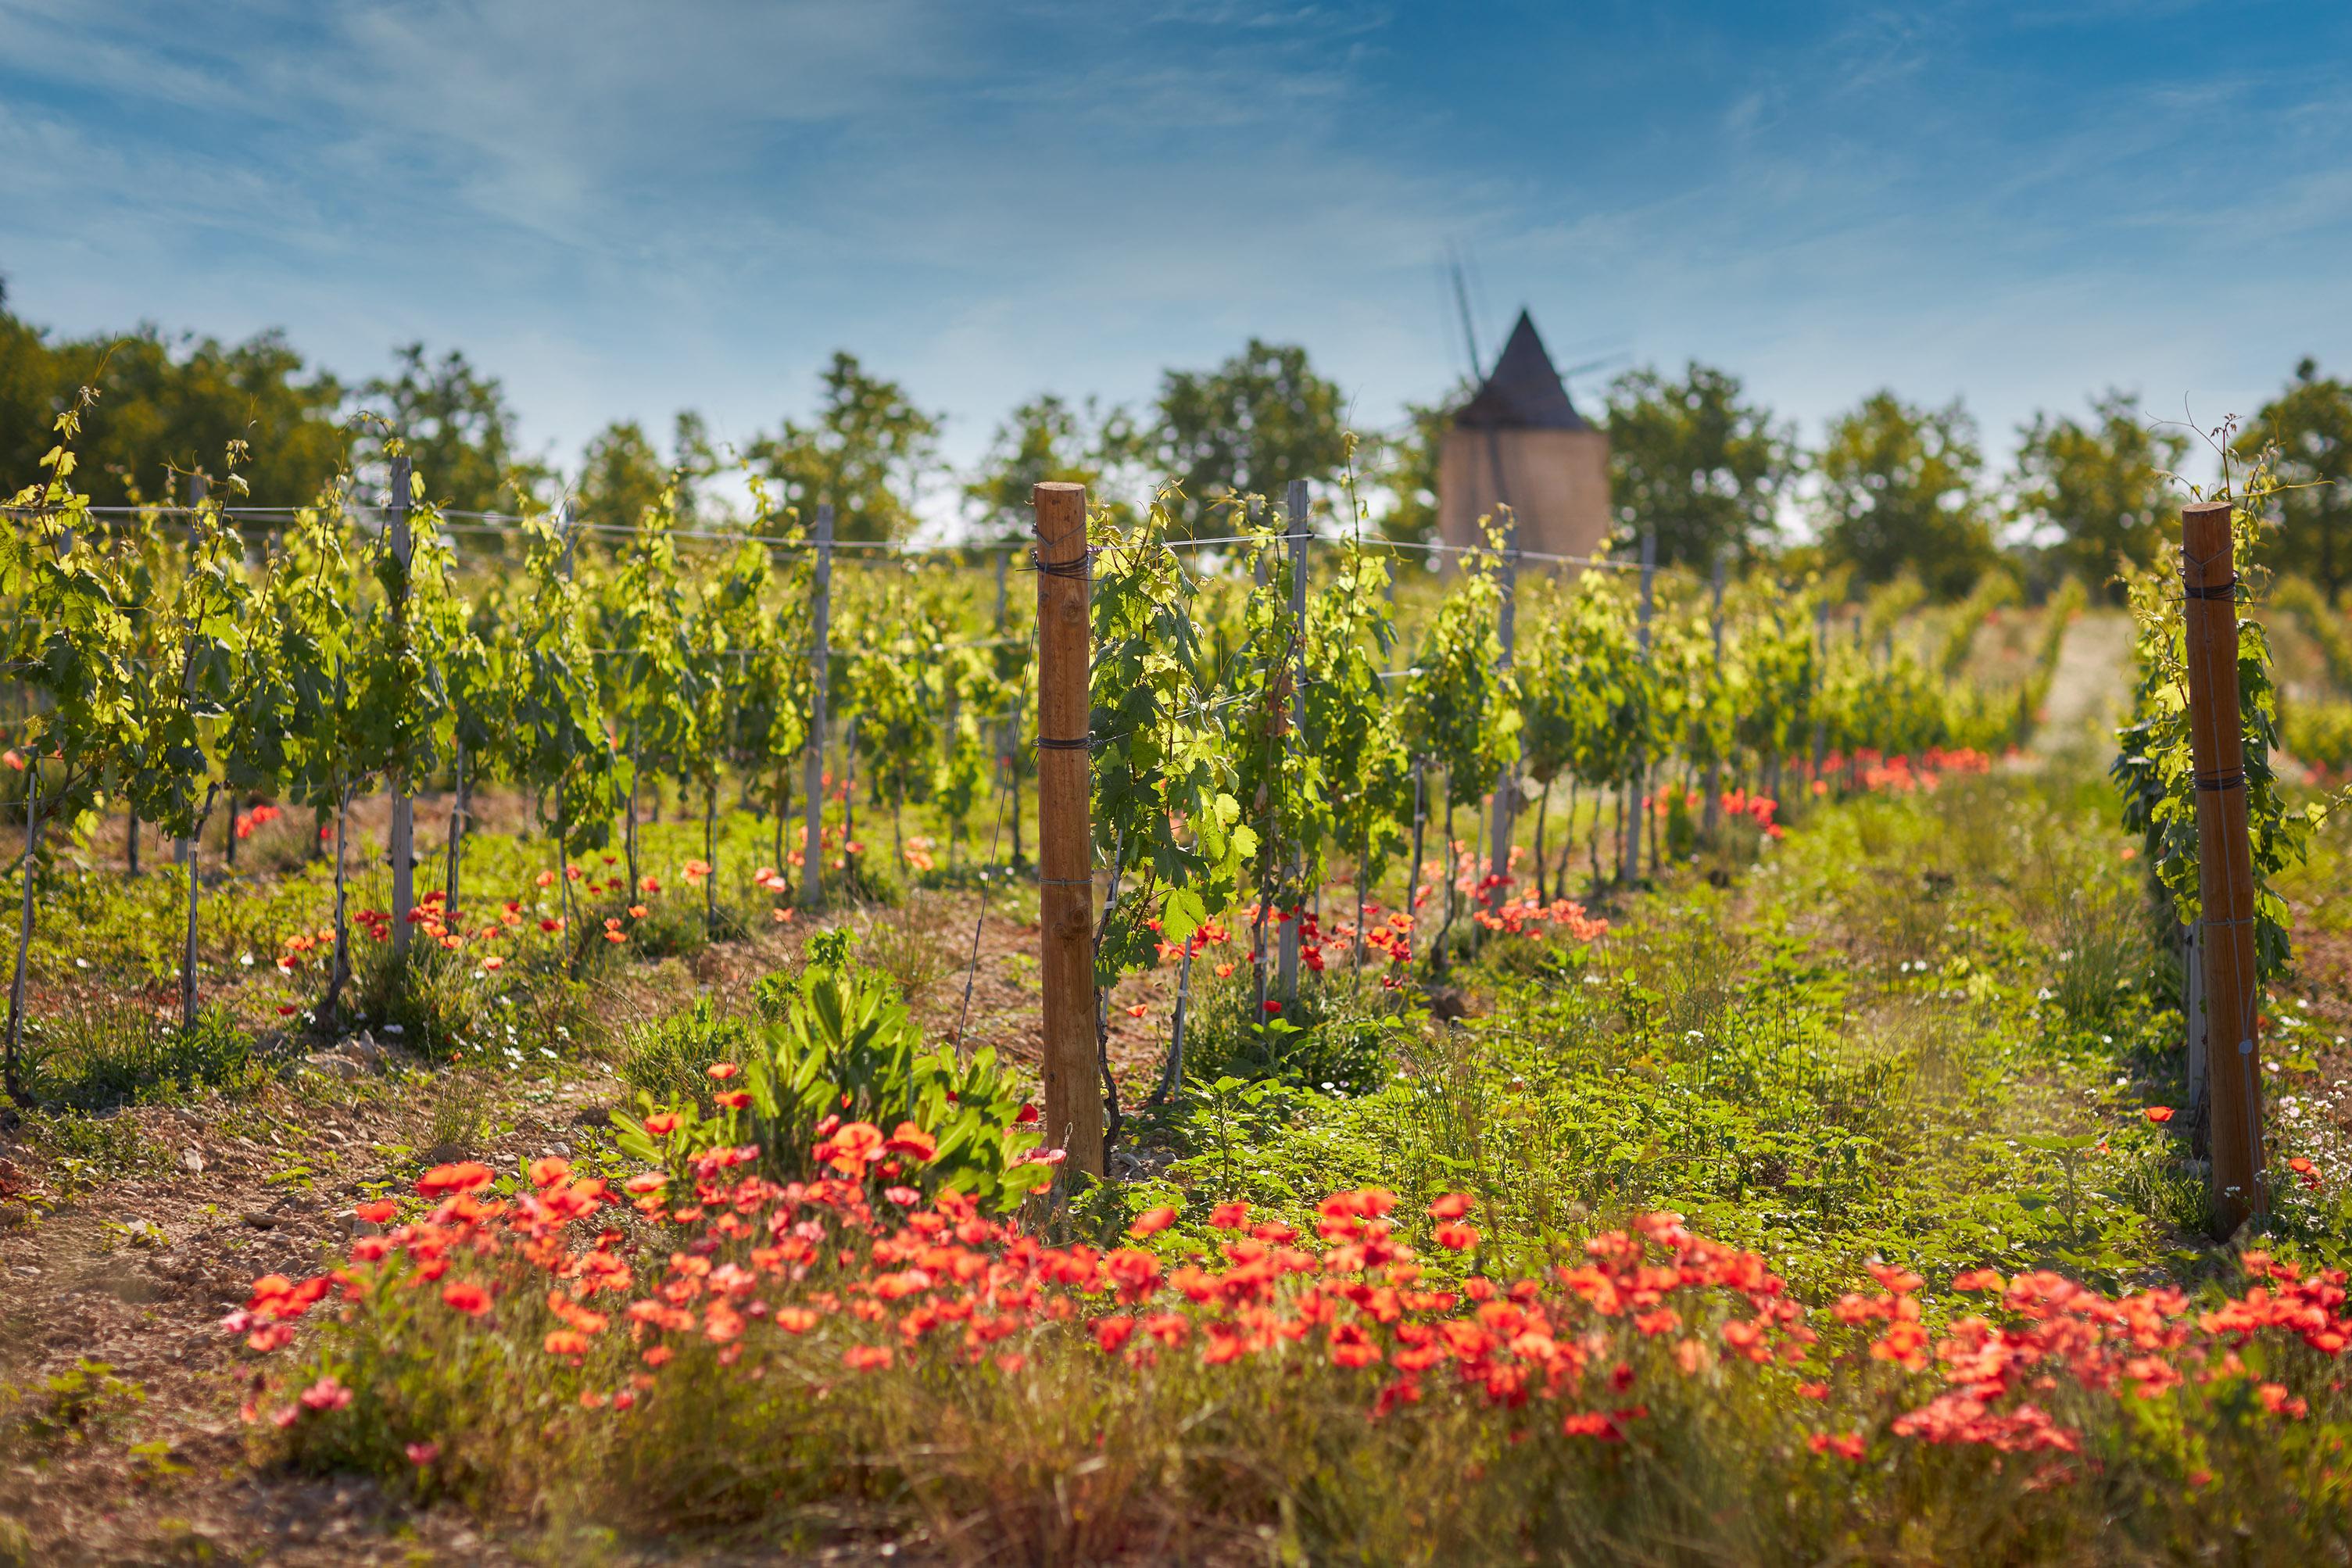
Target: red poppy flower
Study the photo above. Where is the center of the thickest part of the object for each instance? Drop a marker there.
(2159, 1114)
(466, 1297)
(1151, 1222)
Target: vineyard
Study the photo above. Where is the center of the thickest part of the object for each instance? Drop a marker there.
(1253, 1042)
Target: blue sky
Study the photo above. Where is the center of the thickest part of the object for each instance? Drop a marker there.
(623, 210)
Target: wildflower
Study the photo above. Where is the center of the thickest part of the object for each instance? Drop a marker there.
(326, 1395)
(2159, 1114)
(548, 1170)
(852, 1148)
(465, 1176)
(661, 1124)
(637, 911)
(1457, 1237)
(780, 917)
(1151, 1222)
(1110, 1333)
(1979, 1279)
(1028, 1116)
(1229, 1216)
(550, 924)
(565, 1341)
(1225, 971)
(423, 1454)
(733, 1099)
(649, 884)
(465, 1296)
(1813, 1391)
(1847, 1447)
(1272, 1006)
(912, 1142)
(720, 1072)
(16, 762)
(493, 964)
(866, 1358)
(376, 1212)
(1451, 1206)
(1137, 1011)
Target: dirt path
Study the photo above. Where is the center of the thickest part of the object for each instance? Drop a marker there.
(2092, 684)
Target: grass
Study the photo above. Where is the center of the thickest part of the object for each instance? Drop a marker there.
(1918, 1034)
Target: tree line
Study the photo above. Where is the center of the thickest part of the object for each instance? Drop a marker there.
(1895, 488)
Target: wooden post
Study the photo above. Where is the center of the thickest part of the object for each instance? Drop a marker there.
(1715, 767)
(404, 812)
(820, 657)
(184, 848)
(1294, 505)
(2225, 866)
(1507, 630)
(1636, 811)
(1820, 681)
(1074, 1095)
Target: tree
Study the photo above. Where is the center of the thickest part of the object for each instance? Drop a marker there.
(1045, 439)
(1691, 461)
(622, 473)
(456, 426)
(2311, 424)
(167, 407)
(868, 452)
(1259, 420)
(1408, 470)
(2097, 493)
(1899, 489)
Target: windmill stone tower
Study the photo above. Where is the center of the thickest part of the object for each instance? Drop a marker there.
(1520, 443)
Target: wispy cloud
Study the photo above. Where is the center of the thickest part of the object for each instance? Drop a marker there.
(626, 209)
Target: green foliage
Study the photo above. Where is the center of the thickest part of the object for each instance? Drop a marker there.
(1164, 784)
(669, 1058)
(171, 407)
(1248, 427)
(837, 1045)
(1042, 440)
(866, 453)
(2155, 771)
(2308, 426)
(456, 422)
(2098, 493)
(1694, 465)
(1898, 493)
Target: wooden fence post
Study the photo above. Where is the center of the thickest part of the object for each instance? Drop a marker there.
(184, 848)
(1821, 682)
(1635, 808)
(1295, 506)
(1073, 1094)
(820, 656)
(2225, 866)
(402, 836)
(1714, 768)
(1506, 629)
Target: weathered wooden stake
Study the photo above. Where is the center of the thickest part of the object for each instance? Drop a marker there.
(404, 811)
(1714, 766)
(1295, 506)
(1074, 1095)
(2225, 866)
(820, 656)
(1635, 810)
(1507, 634)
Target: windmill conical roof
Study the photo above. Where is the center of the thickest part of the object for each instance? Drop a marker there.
(1525, 392)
